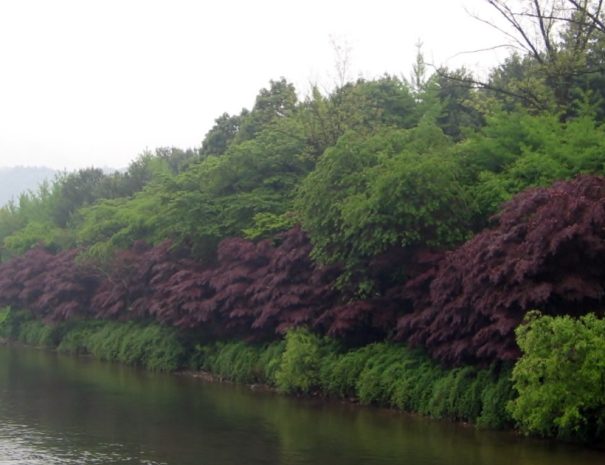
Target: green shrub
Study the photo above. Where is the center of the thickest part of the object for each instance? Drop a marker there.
(76, 339)
(377, 380)
(414, 390)
(235, 361)
(10, 322)
(160, 347)
(105, 342)
(151, 346)
(238, 361)
(301, 362)
(6, 328)
(270, 360)
(340, 372)
(496, 394)
(36, 333)
(4, 316)
(560, 378)
(457, 395)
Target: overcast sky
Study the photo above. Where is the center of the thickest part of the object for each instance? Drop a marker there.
(87, 82)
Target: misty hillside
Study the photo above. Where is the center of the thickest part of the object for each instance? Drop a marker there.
(18, 179)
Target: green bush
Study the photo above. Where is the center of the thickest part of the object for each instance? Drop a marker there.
(414, 390)
(161, 348)
(235, 361)
(299, 370)
(340, 372)
(457, 395)
(238, 361)
(151, 346)
(11, 321)
(5, 322)
(36, 333)
(496, 395)
(560, 378)
(105, 342)
(77, 338)
(377, 379)
(270, 360)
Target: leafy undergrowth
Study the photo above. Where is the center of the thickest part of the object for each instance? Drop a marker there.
(554, 390)
(304, 363)
(381, 374)
(150, 346)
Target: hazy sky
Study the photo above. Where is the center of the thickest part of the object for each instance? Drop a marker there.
(87, 82)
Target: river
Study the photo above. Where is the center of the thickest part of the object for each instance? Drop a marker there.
(57, 409)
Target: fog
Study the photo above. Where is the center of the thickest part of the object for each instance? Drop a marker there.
(96, 83)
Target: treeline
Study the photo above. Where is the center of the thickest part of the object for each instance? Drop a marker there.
(435, 212)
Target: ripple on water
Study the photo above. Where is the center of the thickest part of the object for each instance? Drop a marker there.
(21, 445)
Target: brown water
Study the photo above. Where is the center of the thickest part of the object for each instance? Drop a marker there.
(65, 410)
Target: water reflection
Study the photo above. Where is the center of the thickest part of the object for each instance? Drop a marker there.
(21, 445)
(63, 410)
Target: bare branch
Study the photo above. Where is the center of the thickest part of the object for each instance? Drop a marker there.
(544, 29)
(520, 45)
(528, 98)
(486, 49)
(510, 17)
(594, 16)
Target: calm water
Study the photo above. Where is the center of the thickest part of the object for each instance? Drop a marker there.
(64, 410)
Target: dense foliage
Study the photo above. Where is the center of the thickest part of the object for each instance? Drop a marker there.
(437, 211)
(545, 252)
(560, 377)
(151, 346)
(53, 286)
(379, 374)
(385, 190)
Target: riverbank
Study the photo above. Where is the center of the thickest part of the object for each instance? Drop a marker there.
(303, 364)
(70, 410)
(532, 396)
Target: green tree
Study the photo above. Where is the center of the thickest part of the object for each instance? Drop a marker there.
(556, 40)
(515, 151)
(560, 378)
(223, 133)
(395, 188)
(363, 106)
(278, 101)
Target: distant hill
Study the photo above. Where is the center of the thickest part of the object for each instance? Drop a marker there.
(16, 180)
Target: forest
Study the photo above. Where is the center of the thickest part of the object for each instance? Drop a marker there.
(433, 243)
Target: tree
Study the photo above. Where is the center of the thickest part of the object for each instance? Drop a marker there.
(515, 151)
(278, 101)
(545, 252)
(556, 36)
(73, 190)
(222, 134)
(454, 102)
(395, 188)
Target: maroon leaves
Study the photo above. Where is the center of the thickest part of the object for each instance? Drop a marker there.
(253, 289)
(547, 252)
(54, 287)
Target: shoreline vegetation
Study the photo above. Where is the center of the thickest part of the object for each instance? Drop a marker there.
(433, 244)
(379, 374)
(533, 396)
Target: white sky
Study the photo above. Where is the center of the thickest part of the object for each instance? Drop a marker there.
(87, 82)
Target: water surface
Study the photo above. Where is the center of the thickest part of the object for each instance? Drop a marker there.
(66, 410)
